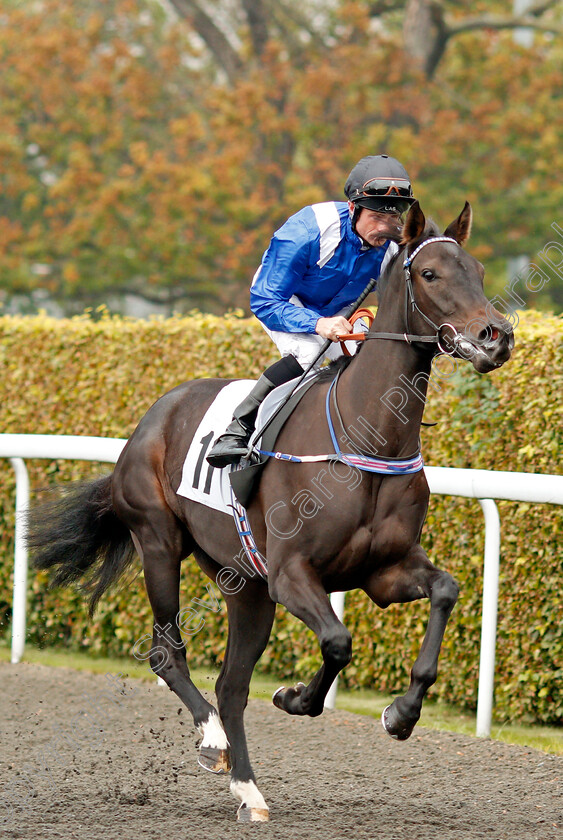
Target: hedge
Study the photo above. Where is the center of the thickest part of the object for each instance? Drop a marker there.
(97, 375)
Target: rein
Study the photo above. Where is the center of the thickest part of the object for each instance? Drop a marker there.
(407, 335)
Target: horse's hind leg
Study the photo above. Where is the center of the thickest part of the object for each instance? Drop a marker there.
(162, 543)
(168, 653)
(415, 577)
(251, 614)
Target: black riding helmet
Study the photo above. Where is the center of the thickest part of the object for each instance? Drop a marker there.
(381, 183)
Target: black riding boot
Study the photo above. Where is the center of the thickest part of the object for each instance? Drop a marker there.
(233, 443)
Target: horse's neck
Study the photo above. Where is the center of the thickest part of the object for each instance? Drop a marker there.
(382, 393)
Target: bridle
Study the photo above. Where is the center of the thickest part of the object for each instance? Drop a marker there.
(407, 336)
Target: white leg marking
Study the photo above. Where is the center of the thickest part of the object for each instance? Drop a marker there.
(248, 795)
(213, 733)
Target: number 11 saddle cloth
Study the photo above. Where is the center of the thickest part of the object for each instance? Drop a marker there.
(209, 485)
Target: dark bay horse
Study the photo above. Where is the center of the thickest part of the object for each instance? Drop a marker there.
(323, 528)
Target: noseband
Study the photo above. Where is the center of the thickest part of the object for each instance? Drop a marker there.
(407, 335)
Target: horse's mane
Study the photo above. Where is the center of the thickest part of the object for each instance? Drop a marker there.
(430, 229)
(327, 373)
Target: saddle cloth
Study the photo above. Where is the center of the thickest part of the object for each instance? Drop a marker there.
(209, 485)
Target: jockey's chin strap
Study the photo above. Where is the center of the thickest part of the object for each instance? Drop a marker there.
(407, 335)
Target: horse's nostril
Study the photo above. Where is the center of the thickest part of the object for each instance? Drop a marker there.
(488, 335)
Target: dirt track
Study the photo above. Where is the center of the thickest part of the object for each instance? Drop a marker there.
(338, 776)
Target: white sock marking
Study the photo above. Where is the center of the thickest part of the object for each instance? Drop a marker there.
(213, 733)
(248, 794)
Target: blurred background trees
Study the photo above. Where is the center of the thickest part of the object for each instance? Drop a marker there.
(149, 149)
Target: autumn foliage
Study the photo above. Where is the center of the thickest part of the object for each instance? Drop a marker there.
(133, 161)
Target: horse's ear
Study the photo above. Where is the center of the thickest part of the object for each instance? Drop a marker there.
(414, 224)
(460, 228)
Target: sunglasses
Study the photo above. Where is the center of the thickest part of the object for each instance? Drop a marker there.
(387, 187)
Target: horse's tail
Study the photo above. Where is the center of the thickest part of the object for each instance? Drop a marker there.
(80, 535)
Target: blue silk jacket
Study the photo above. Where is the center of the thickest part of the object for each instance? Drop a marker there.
(316, 256)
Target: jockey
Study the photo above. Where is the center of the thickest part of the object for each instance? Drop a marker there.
(318, 263)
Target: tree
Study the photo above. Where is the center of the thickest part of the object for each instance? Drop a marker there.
(149, 154)
(427, 26)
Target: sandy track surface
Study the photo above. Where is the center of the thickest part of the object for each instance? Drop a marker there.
(85, 757)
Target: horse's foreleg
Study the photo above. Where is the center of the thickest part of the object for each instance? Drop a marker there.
(415, 577)
(251, 614)
(298, 588)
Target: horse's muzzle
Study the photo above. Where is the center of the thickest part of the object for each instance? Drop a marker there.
(490, 348)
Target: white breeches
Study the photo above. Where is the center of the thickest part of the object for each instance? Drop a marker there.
(305, 346)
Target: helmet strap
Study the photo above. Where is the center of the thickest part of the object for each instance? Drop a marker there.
(354, 218)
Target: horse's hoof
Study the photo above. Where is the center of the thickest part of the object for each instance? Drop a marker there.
(246, 814)
(284, 698)
(384, 723)
(392, 724)
(214, 759)
(275, 694)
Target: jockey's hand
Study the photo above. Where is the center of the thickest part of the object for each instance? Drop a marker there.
(333, 327)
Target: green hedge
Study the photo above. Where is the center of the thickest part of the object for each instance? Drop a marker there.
(98, 375)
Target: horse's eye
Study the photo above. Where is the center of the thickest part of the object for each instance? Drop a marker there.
(428, 274)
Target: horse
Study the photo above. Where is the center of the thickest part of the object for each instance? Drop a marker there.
(364, 532)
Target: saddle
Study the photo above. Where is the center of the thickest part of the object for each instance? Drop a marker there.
(244, 479)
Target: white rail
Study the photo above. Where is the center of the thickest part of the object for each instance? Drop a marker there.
(483, 485)
(72, 447)
(16, 448)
